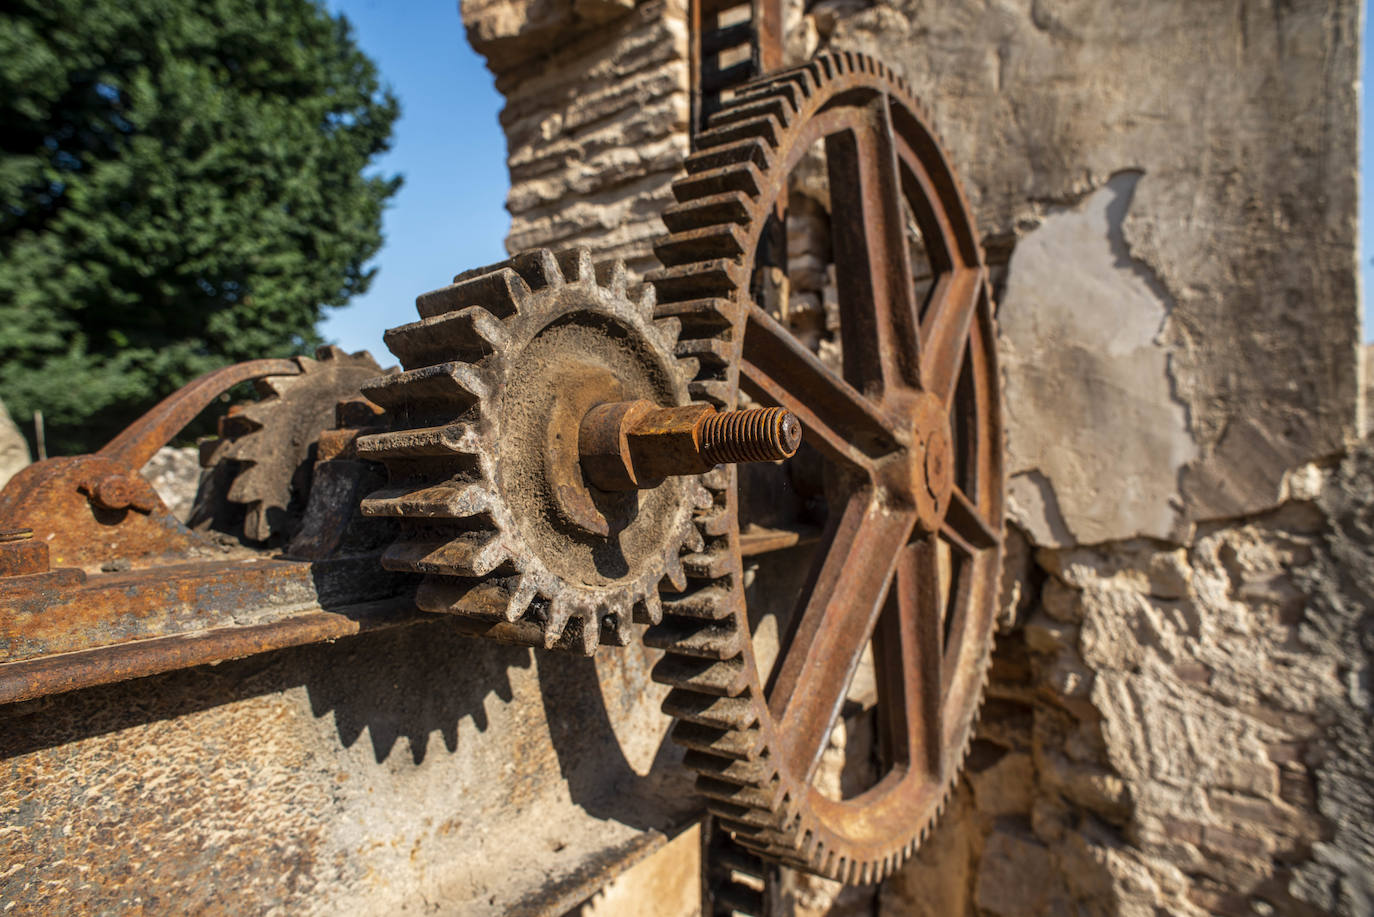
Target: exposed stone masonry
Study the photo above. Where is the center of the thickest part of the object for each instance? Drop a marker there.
(596, 127)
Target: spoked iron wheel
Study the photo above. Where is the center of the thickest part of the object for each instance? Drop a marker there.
(908, 420)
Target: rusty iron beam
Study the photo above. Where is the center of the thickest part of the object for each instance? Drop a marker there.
(55, 674)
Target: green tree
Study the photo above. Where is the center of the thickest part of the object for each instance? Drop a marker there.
(181, 186)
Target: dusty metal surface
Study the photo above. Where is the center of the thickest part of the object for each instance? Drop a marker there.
(906, 430)
(482, 453)
(542, 448)
(629, 445)
(272, 455)
(407, 769)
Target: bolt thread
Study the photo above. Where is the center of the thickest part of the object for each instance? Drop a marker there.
(755, 435)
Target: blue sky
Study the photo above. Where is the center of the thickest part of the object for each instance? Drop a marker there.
(1366, 176)
(450, 215)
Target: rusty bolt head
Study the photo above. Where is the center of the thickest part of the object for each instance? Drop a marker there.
(604, 447)
(667, 441)
(20, 555)
(116, 492)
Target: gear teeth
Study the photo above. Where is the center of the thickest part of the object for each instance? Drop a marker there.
(450, 500)
(452, 386)
(774, 107)
(674, 573)
(723, 240)
(424, 442)
(714, 524)
(469, 554)
(458, 529)
(617, 624)
(709, 564)
(744, 795)
(731, 130)
(730, 154)
(648, 300)
(540, 268)
(670, 329)
(498, 600)
(716, 698)
(742, 178)
(731, 743)
(466, 335)
(726, 678)
(571, 626)
(710, 604)
(717, 391)
(717, 278)
(257, 524)
(716, 712)
(729, 207)
(704, 640)
(521, 597)
(693, 541)
(500, 291)
(277, 386)
(700, 317)
(649, 610)
(613, 276)
(578, 267)
(270, 439)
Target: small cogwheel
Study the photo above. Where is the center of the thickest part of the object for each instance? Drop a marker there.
(268, 443)
(483, 453)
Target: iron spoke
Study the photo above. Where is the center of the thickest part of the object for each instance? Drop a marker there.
(777, 369)
(828, 635)
(878, 318)
(969, 525)
(907, 653)
(945, 331)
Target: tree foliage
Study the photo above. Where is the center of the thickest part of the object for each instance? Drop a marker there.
(181, 186)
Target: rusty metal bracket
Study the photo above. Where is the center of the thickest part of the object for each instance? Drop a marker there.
(99, 582)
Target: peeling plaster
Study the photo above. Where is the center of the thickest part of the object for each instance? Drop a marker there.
(1096, 438)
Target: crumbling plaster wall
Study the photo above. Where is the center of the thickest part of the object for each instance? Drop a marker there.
(1179, 717)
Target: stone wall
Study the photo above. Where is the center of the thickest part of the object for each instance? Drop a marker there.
(595, 118)
(1180, 716)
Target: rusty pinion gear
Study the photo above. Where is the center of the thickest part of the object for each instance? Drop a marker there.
(271, 439)
(482, 453)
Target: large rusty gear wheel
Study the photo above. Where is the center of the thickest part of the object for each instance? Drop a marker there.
(270, 440)
(482, 454)
(909, 560)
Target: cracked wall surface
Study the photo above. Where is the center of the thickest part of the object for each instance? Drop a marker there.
(1179, 715)
(1085, 346)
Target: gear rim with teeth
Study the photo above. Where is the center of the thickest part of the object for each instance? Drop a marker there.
(719, 697)
(268, 443)
(482, 453)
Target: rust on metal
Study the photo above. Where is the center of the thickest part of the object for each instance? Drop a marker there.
(44, 675)
(140, 441)
(20, 555)
(99, 581)
(486, 482)
(629, 445)
(733, 42)
(906, 418)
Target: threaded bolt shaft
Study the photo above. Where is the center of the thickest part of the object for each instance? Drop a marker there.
(754, 435)
(625, 445)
